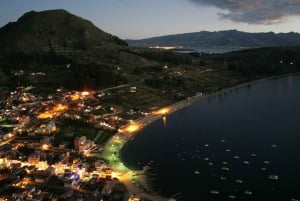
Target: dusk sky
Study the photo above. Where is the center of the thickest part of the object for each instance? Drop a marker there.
(135, 19)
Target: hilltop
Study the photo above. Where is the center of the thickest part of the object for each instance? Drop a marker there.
(55, 31)
(221, 39)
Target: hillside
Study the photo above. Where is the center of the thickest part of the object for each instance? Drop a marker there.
(48, 41)
(221, 39)
(54, 31)
(53, 49)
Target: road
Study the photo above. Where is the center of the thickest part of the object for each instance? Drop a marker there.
(116, 87)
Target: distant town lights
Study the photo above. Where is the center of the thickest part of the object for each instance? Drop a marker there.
(75, 97)
(45, 115)
(60, 107)
(52, 112)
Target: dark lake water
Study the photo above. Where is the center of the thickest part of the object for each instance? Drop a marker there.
(230, 144)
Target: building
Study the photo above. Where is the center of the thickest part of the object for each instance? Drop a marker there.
(50, 127)
(34, 158)
(82, 144)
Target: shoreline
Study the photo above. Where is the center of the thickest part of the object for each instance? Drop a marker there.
(139, 186)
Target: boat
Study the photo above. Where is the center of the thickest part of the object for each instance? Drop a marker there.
(239, 181)
(274, 146)
(214, 192)
(273, 177)
(248, 192)
(225, 168)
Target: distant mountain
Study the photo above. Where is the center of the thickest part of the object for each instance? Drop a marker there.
(55, 31)
(221, 39)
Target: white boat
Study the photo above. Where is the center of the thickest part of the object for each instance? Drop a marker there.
(225, 168)
(214, 192)
(248, 192)
(273, 177)
(239, 181)
(246, 162)
(223, 178)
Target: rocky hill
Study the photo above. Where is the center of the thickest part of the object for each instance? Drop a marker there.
(221, 39)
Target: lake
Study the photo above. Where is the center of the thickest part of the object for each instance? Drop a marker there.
(217, 50)
(242, 144)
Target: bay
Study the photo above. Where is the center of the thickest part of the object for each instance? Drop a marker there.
(241, 144)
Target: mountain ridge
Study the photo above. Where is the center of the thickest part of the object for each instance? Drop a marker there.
(221, 39)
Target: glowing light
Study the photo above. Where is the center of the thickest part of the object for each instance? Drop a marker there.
(114, 175)
(45, 115)
(166, 47)
(85, 93)
(162, 111)
(164, 118)
(45, 146)
(132, 128)
(53, 111)
(60, 107)
(75, 97)
(74, 176)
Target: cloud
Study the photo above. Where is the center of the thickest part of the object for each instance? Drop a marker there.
(255, 11)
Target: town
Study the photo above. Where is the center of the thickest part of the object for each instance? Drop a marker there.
(51, 145)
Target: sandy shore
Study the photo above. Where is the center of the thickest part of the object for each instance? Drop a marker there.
(135, 181)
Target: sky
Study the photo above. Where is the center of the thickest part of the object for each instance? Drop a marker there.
(136, 19)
